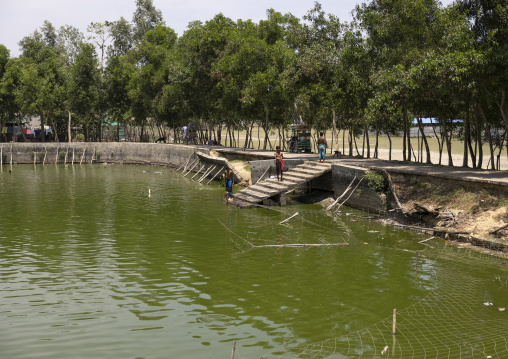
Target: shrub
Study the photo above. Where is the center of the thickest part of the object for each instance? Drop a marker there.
(375, 181)
(80, 137)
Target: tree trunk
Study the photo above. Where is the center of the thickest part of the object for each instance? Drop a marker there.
(250, 135)
(55, 131)
(43, 132)
(448, 145)
(69, 133)
(489, 136)
(343, 141)
(376, 154)
(469, 144)
(390, 149)
(467, 131)
(368, 141)
(439, 141)
(503, 106)
(335, 134)
(259, 140)
(404, 130)
(350, 140)
(363, 143)
(424, 139)
(265, 127)
(478, 138)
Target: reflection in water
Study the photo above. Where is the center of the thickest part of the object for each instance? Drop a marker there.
(90, 263)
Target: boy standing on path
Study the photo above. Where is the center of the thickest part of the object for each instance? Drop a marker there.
(322, 147)
(279, 164)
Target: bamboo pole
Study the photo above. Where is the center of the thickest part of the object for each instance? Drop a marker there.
(207, 173)
(191, 168)
(1, 155)
(259, 179)
(73, 156)
(342, 195)
(198, 171)
(82, 155)
(302, 245)
(35, 157)
(45, 154)
(11, 157)
(215, 175)
(185, 168)
(56, 156)
(286, 220)
(394, 326)
(392, 189)
(66, 152)
(194, 164)
(178, 169)
(428, 239)
(234, 349)
(353, 191)
(204, 174)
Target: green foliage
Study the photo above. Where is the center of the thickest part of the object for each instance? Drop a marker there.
(80, 137)
(145, 18)
(375, 180)
(395, 61)
(61, 154)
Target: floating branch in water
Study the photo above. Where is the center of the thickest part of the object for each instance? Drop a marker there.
(287, 219)
(287, 244)
(426, 240)
(301, 245)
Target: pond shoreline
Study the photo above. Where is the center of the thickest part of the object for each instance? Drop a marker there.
(424, 192)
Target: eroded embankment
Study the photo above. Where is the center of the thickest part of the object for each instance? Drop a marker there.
(464, 211)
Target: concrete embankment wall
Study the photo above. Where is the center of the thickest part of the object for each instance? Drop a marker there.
(363, 197)
(111, 152)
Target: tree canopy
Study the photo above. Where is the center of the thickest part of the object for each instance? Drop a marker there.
(395, 63)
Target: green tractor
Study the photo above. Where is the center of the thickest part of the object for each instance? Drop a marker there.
(299, 138)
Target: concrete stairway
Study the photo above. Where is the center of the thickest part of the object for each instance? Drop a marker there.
(295, 177)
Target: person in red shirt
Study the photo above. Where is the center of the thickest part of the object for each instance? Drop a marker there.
(279, 163)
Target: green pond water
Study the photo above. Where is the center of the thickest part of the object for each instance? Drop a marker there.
(92, 266)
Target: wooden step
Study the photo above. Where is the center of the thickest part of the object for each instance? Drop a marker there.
(270, 191)
(289, 177)
(323, 166)
(253, 193)
(310, 170)
(286, 181)
(298, 174)
(247, 198)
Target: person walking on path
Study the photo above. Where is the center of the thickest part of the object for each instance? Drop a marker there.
(279, 163)
(321, 147)
(162, 138)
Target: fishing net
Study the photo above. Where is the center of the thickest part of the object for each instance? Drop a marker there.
(461, 318)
